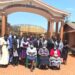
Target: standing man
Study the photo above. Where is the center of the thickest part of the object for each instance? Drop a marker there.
(10, 47)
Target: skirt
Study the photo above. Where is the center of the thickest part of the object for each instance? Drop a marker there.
(43, 60)
(23, 54)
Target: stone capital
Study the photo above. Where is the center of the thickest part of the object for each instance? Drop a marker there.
(62, 22)
(3, 13)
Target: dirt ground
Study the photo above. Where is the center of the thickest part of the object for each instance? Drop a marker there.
(68, 69)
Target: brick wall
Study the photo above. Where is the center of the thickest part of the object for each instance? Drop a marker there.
(72, 39)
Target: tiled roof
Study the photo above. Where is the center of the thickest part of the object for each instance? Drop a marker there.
(72, 25)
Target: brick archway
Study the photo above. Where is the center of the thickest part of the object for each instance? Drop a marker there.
(38, 7)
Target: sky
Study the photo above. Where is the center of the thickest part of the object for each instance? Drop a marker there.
(34, 19)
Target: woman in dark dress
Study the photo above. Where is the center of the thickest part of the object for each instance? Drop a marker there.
(64, 54)
(43, 57)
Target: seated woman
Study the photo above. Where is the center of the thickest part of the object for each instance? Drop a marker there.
(4, 58)
(43, 56)
(54, 52)
(32, 56)
(55, 59)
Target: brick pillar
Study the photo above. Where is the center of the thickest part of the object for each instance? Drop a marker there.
(57, 27)
(62, 30)
(4, 19)
(50, 28)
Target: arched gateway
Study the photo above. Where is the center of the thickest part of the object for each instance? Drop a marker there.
(34, 6)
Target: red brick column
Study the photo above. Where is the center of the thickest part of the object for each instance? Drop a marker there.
(4, 22)
(57, 27)
(50, 28)
(62, 30)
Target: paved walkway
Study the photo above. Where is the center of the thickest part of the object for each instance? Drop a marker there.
(68, 69)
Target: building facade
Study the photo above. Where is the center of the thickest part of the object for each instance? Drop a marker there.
(69, 33)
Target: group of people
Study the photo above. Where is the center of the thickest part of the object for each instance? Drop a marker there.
(31, 50)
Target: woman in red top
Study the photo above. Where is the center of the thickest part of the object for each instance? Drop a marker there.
(55, 59)
(53, 51)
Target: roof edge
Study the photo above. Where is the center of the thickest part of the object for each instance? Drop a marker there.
(53, 8)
